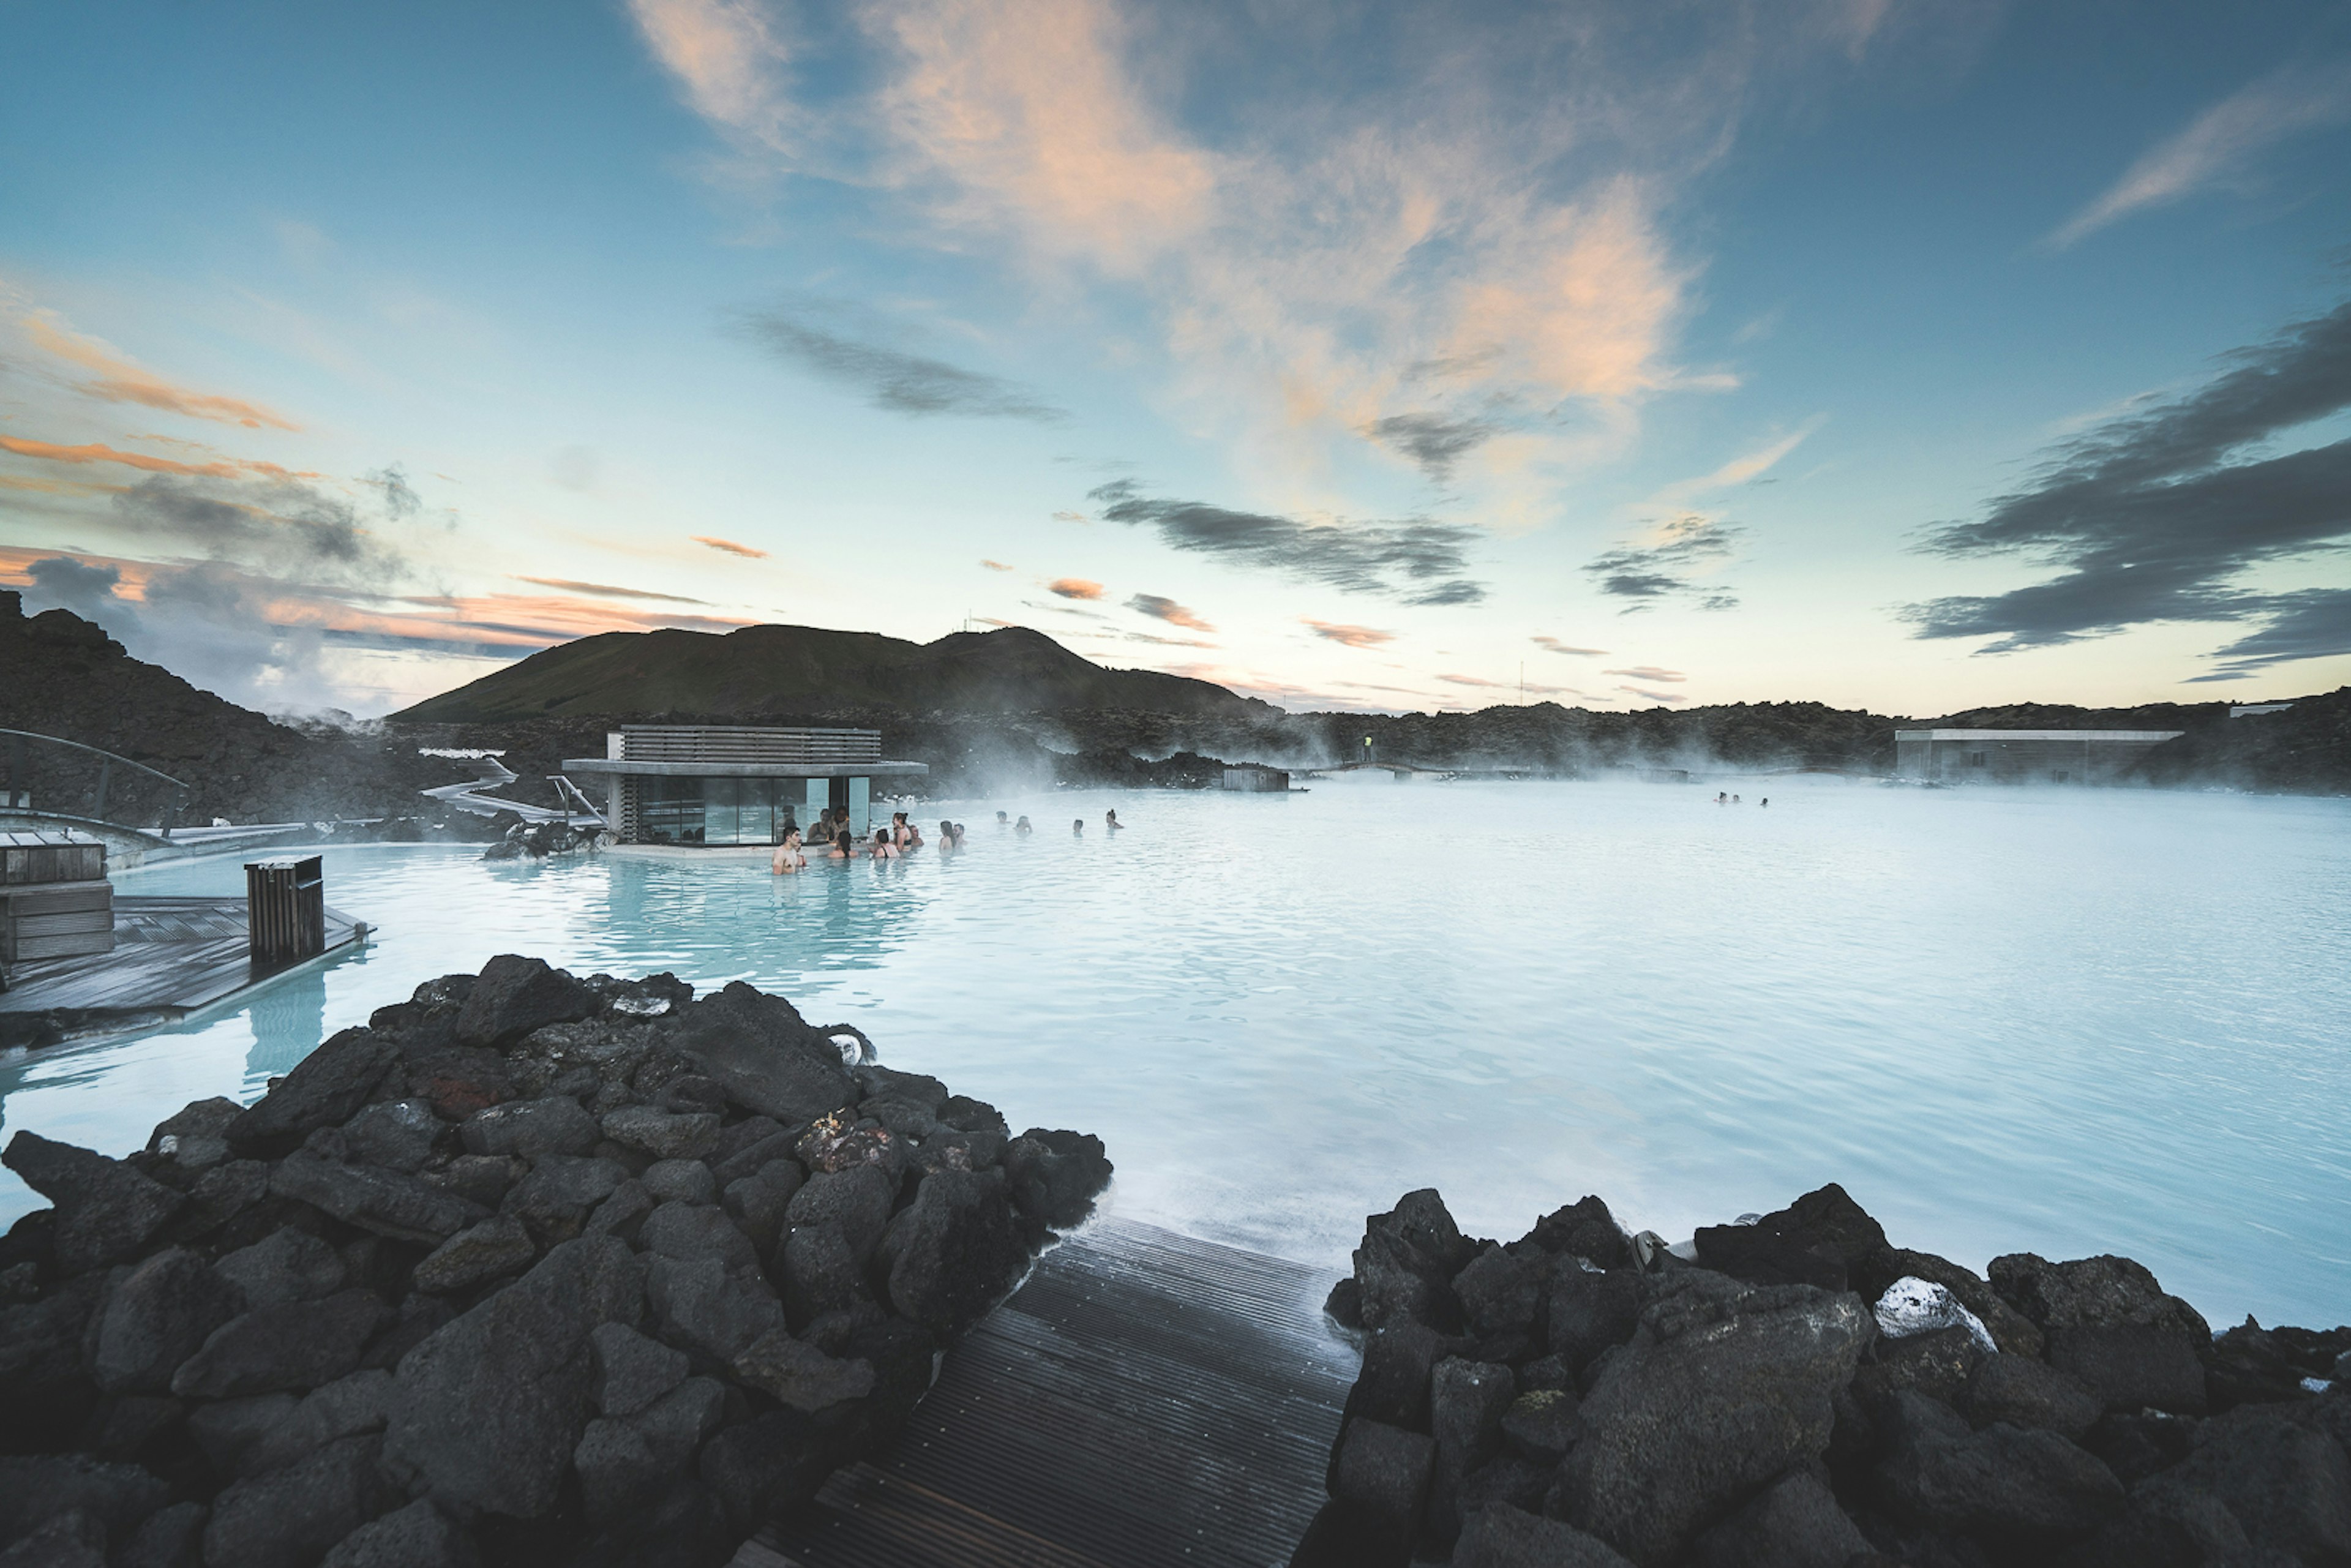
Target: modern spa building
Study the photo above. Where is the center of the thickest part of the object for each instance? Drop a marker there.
(2021, 756)
(726, 784)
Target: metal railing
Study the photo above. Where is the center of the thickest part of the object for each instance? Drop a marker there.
(16, 787)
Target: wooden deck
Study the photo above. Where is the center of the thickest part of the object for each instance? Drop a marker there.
(1145, 1399)
(173, 957)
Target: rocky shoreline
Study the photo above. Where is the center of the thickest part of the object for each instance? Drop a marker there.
(532, 1269)
(1796, 1391)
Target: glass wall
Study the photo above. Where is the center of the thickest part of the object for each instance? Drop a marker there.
(728, 810)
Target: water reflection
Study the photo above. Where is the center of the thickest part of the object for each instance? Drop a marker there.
(288, 1019)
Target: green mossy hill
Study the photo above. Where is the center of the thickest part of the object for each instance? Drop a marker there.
(780, 671)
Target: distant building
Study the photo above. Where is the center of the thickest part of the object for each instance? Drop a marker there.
(724, 784)
(1257, 780)
(2021, 756)
(2247, 710)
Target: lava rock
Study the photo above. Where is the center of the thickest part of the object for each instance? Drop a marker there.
(619, 1473)
(1343, 1535)
(1542, 1425)
(1501, 1293)
(160, 1315)
(1585, 1229)
(397, 1135)
(71, 1539)
(764, 1054)
(1937, 1363)
(797, 1373)
(555, 1198)
(2012, 1330)
(1712, 1398)
(384, 1202)
(349, 1407)
(661, 1134)
(631, 1371)
(532, 1129)
(1465, 1402)
(322, 1091)
(821, 1273)
(1815, 1240)
(1055, 1175)
(1404, 1267)
(1590, 1310)
(289, 1518)
(2287, 1485)
(764, 1466)
(1793, 1523)
(681, 1181)
(2109, 1323)
(171, 1538)
(37, 1488)
(2026, 1392)
(485, 1413)
(287, 1345)
(194, 1137)
(760, 1203)
(699, 1306)
(1385, 1470)
(417, 1536)
(954, 1252)
(106, 1210)
(516, 995)
(855, 1202)
(498, 1245)
(1501, 1536)
(686, 1231)
(289, 1264)
(2004, 1484)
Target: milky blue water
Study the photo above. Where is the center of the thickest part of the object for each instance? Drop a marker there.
(2068, 1023)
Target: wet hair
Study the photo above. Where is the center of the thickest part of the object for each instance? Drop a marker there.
(1001, 817)
(946, 828)
(844, 841)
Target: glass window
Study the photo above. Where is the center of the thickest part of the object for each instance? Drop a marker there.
(718, 811)
(669, 810)
(754, 811)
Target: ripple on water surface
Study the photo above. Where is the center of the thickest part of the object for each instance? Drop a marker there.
(2070, 1023)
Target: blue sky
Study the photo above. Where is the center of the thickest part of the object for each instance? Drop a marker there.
(1912, 356)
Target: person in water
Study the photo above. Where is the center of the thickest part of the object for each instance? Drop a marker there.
(1022, 826)
(844, 848)
(787, 857)
(1002, 820)
(1765, 801)
(1110, 822)
(883, 850)
(1078, 827)
(946, 838)
(956, 834)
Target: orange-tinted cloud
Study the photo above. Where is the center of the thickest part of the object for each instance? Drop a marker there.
(1647, 673)
(121, 380)
(606, 590)
(98, 452)
(994, 565)
(1075, 588)
(1349, 636)
(729, 547)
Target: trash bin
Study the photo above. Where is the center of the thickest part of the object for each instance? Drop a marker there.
(285, 910)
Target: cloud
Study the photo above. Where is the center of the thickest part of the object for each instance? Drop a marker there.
(1470, 681)
(2215, 149)
(1349, 636)
(1070, 518)
(98, 452)
(1075, 588)
(121, 380)
(1312, 215)
(1433, 441)
(2154, 515)
(994, 565)
(606, 591)
(1656, 696)
(1065, 609)
(889, 378)
(1430, 558)
(1554, 645)
(1679, 550)
(729, 547)
(1647, 673)
(2311, 623)
(1167, 610)
(1168, 642)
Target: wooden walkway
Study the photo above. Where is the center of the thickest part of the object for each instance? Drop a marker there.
(1145, 1399)
(172, 957)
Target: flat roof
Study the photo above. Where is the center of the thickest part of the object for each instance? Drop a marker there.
(639, 768)
(2144, 736)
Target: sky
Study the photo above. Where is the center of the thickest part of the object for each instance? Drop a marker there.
(1913, 356)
